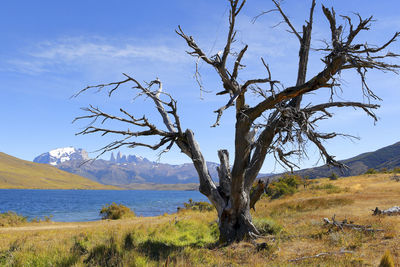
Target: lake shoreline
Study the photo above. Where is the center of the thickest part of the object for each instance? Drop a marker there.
(85, 205)
(147, 186)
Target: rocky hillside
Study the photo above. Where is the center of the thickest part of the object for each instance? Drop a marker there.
(386, 157)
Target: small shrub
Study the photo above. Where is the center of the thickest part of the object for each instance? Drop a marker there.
(267, 226)
(396, 170)
(200, 206)
(39, 220)
(11, 218)
(384, 170)
(333, 176)
(387, 260)
(48, 218)
(292, 180)
(371, 171)
(116, 211)
(286, 185)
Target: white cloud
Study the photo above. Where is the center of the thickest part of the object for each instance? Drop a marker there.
(91, 50)
(94, 52)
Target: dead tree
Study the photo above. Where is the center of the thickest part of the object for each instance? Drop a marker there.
(276, 124)
(391, 211)
(340, 225)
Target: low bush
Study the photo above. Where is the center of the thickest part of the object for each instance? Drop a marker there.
(11, 218)
(286, 185)
(39, 220)
(384, 170)
(267, 226)
(371, 171)
(333, 176)
(116, 211)
(200, 206)
(396, 170)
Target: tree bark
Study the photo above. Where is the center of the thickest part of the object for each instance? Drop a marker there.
(236, 225)
(257, 193)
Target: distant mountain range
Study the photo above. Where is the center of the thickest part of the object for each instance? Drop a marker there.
(17, 173)
(122, 170)
(386, 157)
(131, 171)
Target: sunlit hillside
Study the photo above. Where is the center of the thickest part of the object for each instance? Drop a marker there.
(294, 233)
(16, 173)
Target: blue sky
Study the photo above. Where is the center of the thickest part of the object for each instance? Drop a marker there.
(51, 49)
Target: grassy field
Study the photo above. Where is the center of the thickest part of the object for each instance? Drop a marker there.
(293, 228)
(17, 174)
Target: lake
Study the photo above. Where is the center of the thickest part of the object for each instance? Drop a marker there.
(84, 205)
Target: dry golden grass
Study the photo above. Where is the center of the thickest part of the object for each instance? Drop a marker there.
(187, 238)
(307, 235)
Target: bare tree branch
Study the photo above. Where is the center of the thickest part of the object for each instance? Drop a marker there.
(237, 62)
(294, 31)
(365, 107)
(197, 52)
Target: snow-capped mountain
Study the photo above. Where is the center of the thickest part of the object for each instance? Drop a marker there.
(122, 170)
(60, 155)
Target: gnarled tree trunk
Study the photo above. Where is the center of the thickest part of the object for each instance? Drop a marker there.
(232, 205)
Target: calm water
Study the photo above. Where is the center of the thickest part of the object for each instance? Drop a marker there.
(84, 205)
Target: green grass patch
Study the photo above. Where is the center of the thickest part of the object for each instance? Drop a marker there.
(329, 188)
(171, 239)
